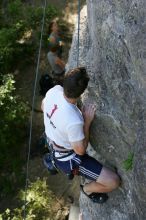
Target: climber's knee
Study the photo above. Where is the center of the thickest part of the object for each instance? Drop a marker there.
(115, 182)
(109, 179)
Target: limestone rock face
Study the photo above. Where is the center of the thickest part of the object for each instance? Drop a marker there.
(113, 49)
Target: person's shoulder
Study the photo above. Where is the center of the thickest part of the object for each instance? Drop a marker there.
(73, 114)
(50, 54)
(58, 88)
(51, 36)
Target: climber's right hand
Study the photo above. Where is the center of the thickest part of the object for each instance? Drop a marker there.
(88, 112)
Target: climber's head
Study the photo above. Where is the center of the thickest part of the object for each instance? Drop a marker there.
(75, 82)
(53, 27)
(54, 49)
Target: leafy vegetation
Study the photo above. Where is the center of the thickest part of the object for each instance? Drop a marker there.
(41, 204)
(19, 38)
(128, 163)
(20, 28)
(13, 114)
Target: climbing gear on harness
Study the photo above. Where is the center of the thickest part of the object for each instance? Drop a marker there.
(73, 173)
(50, 164)
(62, 154)
(49, 158)
(96, 197)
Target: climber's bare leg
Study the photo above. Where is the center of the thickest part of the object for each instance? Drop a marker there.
(106, 182)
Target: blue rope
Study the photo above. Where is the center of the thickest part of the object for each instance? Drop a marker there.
(33, 102)
(78, 44)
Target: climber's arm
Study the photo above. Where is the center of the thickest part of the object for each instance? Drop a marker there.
(60, 62)
(42, 105)
(52, 40)
(88, 112)
(80, 146)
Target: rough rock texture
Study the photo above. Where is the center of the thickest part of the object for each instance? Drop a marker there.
(113, 49)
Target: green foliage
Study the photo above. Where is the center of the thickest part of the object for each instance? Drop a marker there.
(15, 10)
(128, 163)
(41, 204)
(12, 110)
(16, 20)
(11, 50)
(19, 38)
(7, 48)
(51, 12)
(13, 115)
(35, 14)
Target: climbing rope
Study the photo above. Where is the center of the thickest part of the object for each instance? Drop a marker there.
(78, 44)
(33, 102)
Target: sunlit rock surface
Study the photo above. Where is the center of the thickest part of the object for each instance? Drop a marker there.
(113, 49)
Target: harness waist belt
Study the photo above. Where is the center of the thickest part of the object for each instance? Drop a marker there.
(56, 147)
(64, 156)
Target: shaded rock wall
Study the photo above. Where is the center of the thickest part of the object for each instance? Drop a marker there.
(113, 49)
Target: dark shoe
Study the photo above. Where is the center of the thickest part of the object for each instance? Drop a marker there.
(96, 197)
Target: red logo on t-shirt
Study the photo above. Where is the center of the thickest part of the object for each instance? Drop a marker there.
(53, 110)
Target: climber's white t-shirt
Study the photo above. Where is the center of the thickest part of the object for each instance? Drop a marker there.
(63, 120)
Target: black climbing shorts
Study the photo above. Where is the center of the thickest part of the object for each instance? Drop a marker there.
(88, 167)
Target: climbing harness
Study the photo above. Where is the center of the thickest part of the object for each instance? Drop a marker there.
(53, 154)
(49, 164)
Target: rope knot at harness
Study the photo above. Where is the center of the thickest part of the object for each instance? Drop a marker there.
(75, 171)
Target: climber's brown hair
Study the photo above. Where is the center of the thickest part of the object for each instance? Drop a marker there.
(75, 82)
(50, 27)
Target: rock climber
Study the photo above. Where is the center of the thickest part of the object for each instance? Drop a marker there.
(67, 129)
(55, 53)
(54, 38)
